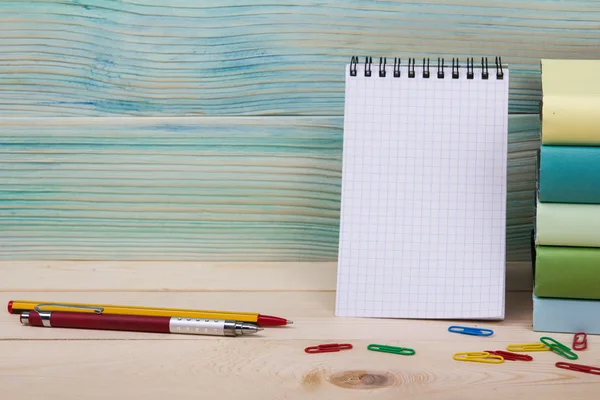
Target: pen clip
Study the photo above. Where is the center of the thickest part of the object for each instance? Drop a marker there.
(38, 308)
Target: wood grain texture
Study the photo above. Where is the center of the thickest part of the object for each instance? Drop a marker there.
(311, 311)
(198, 188)
(278, 369)
(54, 363)
(187, 276)
(185, 57)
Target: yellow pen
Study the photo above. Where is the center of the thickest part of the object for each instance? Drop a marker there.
(18, 306)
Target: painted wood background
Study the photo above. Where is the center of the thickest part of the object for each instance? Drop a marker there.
(194, 188)
(182, 129)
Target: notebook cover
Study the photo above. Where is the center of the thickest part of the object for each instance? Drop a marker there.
(562, 224)
(567, 272)
(569, 174)
(571, 100)
(566, 315)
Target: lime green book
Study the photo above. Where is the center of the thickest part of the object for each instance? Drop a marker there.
(567, 272)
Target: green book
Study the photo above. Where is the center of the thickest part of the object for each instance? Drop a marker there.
(567, 272)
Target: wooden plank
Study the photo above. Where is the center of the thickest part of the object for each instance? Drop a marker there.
(167, 276)
(51, 363)
(190, 57)
(232, 189)
(172, 276)
(279, 368)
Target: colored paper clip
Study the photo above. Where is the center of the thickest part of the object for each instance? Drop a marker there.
(466, 330)
(478, 356)
(580, 341)
(559, 348)
(510, 356)
(328, 348)
(403, 351)
(578, 367)
(527, 347)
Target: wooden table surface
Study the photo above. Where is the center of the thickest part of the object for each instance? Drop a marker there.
(58, 363)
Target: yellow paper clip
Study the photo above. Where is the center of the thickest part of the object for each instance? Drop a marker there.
(478, 356)
(526, 347)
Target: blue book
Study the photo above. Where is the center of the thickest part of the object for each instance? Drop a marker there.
(566, 315)
(569, 174)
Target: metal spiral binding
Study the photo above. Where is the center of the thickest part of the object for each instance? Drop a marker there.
(485, 73)
(426, 69)
(411, 67)
(455, 74)
(470, 73)
(499, 72)
(353, 63)
(470, 68)
(368, 62)
(397, 67)
(382, 67)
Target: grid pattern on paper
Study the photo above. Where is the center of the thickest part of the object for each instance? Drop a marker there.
(423, 209)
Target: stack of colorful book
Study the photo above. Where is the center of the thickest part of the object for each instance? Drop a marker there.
(567, 227)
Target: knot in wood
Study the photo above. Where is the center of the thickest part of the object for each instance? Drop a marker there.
(362, 379)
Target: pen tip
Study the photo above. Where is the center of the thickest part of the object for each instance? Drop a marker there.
(289, 322)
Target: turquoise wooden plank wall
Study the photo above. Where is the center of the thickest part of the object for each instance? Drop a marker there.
(148, 129)
(252, 57)
(194, 188)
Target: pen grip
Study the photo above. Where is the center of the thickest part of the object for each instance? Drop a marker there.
(136, 323)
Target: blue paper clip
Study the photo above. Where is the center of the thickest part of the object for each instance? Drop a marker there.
(466, 330)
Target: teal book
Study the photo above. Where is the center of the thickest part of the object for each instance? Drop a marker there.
(569, 174)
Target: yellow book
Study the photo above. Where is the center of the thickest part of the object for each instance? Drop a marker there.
(571, 100)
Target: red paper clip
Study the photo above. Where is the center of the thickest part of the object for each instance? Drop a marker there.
(328, 348)
(507, 355)
(580, 341)
(578, 367)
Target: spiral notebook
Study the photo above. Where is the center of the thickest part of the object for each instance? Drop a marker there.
(423, 208)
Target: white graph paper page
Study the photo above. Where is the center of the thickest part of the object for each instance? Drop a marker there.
(423, 209)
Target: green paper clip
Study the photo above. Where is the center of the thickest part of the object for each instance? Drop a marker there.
(402, 351)
(559, 348)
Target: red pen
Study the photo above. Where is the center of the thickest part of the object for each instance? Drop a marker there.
(269, 320)
(137, 323)
(19, 306)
